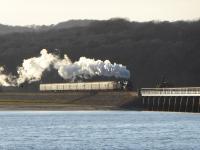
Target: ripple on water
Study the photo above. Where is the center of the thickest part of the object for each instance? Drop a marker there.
(98, 130)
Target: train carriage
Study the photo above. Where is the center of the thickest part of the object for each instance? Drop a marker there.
(83, 86)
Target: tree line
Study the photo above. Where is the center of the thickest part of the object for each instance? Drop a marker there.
(150, 50)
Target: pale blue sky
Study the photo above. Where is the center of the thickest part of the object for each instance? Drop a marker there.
(27, 12)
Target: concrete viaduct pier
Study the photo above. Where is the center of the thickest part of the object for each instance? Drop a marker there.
(185, 99)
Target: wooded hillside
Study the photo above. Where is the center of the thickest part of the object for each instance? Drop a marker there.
(150, 50)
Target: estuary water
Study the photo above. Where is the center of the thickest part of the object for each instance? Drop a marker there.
(91, 130)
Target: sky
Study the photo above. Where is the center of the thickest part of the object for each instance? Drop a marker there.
(46, 12)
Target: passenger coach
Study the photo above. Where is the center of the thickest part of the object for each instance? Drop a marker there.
(84, 86)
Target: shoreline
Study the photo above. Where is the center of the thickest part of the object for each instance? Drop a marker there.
(60, 105)
(61, 108)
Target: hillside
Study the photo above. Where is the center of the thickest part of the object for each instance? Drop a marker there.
(150, 50)
(6, 29)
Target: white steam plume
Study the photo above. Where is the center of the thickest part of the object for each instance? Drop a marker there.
(6, 80)
(33, 68)
(87, 68)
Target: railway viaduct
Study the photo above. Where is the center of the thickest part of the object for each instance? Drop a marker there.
(185, 99)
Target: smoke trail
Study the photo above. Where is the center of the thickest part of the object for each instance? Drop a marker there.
(6, 80)
(86, 68)
(32, 69)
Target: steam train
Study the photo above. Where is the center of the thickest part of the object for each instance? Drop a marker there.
(76, 86)
(87, 86)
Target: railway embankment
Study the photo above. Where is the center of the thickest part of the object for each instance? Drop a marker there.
(110, 100)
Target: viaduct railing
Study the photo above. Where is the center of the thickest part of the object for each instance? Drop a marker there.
(186, 91)
(185, 99)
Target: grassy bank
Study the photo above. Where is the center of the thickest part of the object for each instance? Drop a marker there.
(68, 101)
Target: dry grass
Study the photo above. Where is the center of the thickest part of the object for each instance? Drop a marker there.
(65, 101)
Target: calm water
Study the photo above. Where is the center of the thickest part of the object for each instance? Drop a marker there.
(98, 130)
